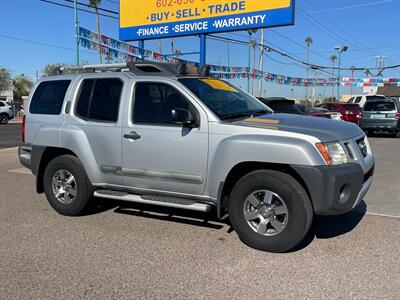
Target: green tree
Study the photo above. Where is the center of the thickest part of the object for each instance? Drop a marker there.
(96, 4)
(5, 78)
(22, 86)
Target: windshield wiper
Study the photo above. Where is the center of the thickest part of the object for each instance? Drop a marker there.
(252, 113)
(236, 115)
(261, 112)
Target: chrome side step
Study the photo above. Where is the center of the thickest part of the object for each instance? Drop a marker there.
(154, 200)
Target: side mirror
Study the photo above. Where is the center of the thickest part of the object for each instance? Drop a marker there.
(183, 117)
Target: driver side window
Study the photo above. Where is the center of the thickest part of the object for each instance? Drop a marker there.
(154, 102)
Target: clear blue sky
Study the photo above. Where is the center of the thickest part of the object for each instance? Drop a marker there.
(368, 27)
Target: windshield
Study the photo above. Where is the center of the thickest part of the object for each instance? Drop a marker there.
(224, 99)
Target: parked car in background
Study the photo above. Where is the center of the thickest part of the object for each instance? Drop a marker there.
(287, 106)
(281, 105)
(362, 99)
(6, 112)
(348, 112)
(381, 115)
(314, 112)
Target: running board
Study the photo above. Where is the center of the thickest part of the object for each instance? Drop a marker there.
(154, 200)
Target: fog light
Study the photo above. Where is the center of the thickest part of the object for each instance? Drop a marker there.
(345, 194)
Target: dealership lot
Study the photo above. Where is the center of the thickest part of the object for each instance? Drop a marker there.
(135, 251)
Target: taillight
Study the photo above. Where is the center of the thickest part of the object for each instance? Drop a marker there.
(23, 129)
(397, 116)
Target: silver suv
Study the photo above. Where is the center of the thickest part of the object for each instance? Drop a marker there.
(157, 134)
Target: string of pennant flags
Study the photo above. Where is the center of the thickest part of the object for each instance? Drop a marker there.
(118, 50)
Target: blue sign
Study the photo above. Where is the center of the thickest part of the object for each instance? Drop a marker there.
(154, 19)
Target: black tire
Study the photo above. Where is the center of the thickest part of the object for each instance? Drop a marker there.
(84, 189)
(299, 209)
(4, 118)
(397, 134)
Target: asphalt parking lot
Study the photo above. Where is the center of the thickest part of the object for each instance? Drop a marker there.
(134, 252)
(10, 135)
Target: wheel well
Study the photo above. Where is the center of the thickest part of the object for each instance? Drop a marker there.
(244, 168)
(49, 154)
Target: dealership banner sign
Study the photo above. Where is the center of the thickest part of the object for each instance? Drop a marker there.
(153, 19)
(117, 50)
(371, 82)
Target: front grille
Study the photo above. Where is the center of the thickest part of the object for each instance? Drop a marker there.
(363, 147)
(347, 146)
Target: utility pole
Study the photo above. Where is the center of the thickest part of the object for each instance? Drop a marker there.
(159, 46)
(250, 32)
(313, 88)
(76, 31)
(340, 50)
(352, 76)
(261, 67)
(380, 63)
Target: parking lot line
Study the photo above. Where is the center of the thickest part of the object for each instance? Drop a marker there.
(8, 149)
(21, 171)
(382, 215)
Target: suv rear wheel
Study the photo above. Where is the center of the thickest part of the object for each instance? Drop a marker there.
(270, 211)
(4, 118)
(67, 186)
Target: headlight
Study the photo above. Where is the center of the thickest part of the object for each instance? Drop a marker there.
(333, 153)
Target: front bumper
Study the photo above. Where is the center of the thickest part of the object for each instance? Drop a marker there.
(25, 155)
(337, 189)
(380, 125)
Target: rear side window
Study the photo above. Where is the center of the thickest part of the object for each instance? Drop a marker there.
(2, 104)
(358, 100)
(380, 106)
(99, 99)
(374, 98)
(49, 97)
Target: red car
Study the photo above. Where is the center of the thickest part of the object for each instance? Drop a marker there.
(350, 112)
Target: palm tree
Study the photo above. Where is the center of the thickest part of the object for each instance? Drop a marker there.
(96, 4)
(333, 58)
(178, 53)
(308, 41)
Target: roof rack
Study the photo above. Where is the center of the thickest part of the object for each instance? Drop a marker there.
(142, 68)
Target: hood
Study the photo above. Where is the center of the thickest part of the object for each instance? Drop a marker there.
(326, 130)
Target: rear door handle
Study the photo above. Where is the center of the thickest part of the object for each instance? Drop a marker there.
(132, 136)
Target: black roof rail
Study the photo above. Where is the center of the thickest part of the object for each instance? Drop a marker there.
(144, 68)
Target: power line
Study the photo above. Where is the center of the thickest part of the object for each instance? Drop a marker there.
(80, 9)
(90, 6)
(340, 28)
(299, 44)
(350, 7)
(288, 55)
(39, 43)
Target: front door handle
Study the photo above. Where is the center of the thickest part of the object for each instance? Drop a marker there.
(132, 136)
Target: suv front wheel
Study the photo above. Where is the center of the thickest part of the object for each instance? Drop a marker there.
(270, 211)
(67, 186)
